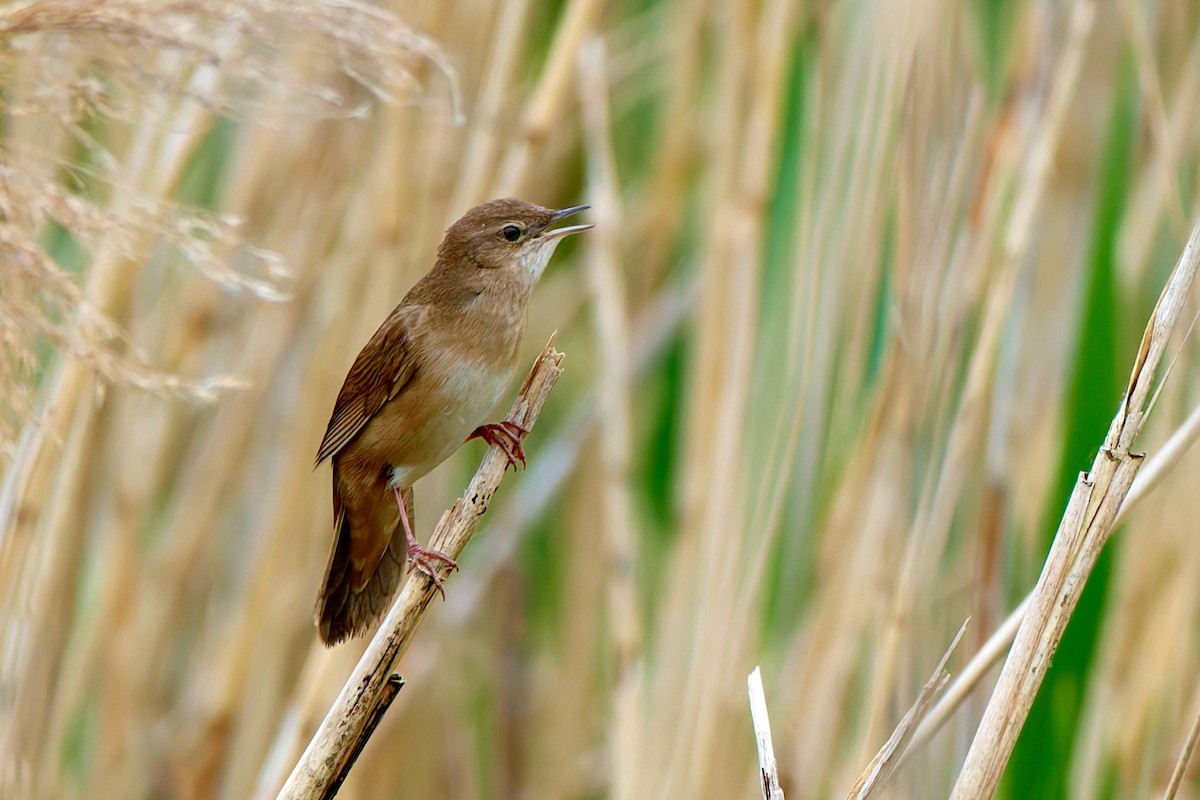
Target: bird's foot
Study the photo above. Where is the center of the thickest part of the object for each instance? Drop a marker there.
(506, 435)
(427, 561)
(431, 562)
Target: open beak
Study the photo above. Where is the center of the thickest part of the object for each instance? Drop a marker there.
(558, 233)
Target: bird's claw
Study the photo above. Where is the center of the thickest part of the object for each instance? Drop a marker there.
(506, 435)
(430, 562)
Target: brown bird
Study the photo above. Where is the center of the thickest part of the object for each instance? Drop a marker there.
(424, 384)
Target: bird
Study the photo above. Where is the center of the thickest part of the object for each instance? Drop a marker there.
(423, 384)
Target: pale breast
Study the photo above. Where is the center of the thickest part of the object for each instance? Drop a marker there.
(478, 389)
(463, 397)
(467, 357)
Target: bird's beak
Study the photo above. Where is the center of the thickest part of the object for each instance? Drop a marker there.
(558, 233)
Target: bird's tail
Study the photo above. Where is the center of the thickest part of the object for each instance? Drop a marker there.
(344, 611)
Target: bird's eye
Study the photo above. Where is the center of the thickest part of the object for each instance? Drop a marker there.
(511, 232)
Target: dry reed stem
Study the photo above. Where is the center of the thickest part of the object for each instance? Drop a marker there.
(35, 542)
(542, 482)
(327, 754)
(968, 431)
(188, 661)
(861, 532)
(148, 79)
(479, 150)
(1167, 164)
(717, 575)
(967, 427)
(226, 39)
(546, 102)
(994, 648)
(615, 423)
(763, 121)
(1148, 199)
(1181, 764)
(768, 769)
(1085, 527)
(891, 755)
(205, 56)
(667, 184)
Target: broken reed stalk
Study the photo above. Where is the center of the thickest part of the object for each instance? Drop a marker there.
(987, 656)
(1085, 527)
(890, 756)
(391, 688)
(343, 731)
(768, 768)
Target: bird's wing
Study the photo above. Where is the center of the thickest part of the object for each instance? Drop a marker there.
(381, 370)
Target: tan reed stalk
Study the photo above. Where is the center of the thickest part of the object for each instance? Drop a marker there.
(611, 325)
(44, 576)
(1185, 755)
(968, 428)
(1084, 529)
(1135, 24)
(835, 293)
(340, 737)
(709, 578)
(1160, 463)
(547, 99)
(875, 776)
(1148, 195)
(846, 228)
(41, 554)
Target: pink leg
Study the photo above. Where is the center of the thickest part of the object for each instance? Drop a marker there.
(506, 435)
(427, 561)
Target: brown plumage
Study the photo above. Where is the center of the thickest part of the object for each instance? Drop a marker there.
(423, 384)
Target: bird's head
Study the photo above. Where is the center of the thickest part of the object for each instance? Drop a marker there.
(507, 234)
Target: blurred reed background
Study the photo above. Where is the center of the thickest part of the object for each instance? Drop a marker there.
(868, 280)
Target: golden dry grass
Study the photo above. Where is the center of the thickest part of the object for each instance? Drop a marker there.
(863, 272)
